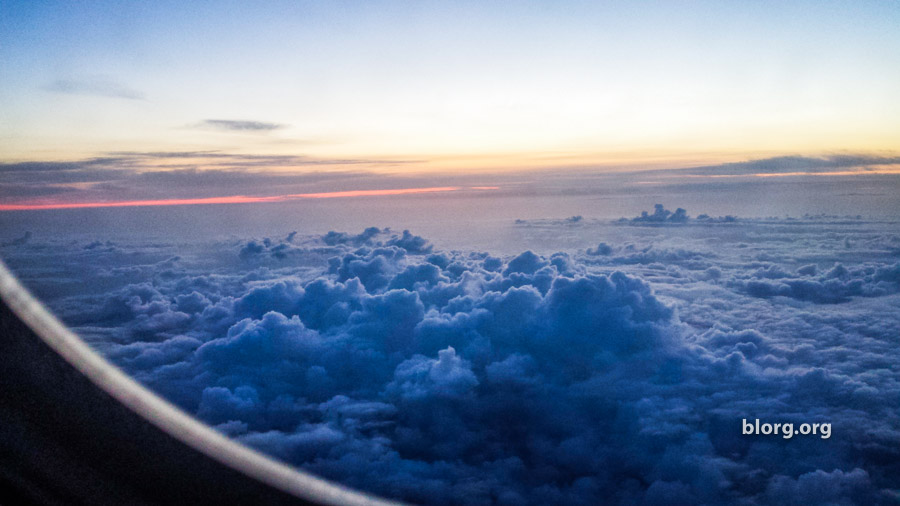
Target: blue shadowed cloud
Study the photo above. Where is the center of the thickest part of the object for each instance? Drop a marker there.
(616, 374)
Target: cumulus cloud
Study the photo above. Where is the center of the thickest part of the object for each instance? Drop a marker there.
(663, 216)
(838, 284)
(601, 249)
(616, 374)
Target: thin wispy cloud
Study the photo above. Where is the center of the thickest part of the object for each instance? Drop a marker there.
(794, 165)
(193, 176)
(239, 125)
(132, 164)
(129, 176)
(97, 87)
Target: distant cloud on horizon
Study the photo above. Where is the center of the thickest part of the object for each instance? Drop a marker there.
(791, 164)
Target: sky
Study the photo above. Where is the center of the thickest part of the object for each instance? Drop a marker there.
(412, 87)
(216, 197)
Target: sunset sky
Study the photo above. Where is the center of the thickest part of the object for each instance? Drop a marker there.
(433, 87)
(476, 251)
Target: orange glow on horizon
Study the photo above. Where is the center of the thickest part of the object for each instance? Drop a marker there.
(235, 199)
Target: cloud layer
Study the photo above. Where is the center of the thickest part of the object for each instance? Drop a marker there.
(615, 374)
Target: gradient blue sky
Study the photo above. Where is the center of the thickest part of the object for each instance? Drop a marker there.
(451, 86)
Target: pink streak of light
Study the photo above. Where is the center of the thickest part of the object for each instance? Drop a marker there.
(236, 199)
